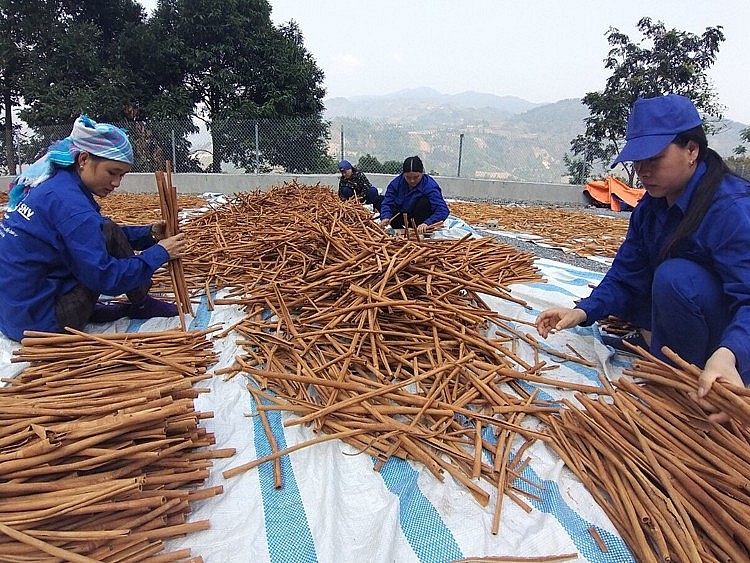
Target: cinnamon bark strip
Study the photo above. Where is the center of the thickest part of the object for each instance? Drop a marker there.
(277, 478)
(519, 559)
(255, 463)
(44, 547)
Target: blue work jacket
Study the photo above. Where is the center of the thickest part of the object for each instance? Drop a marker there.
(400, 198)
(720, 243)
(52, 242)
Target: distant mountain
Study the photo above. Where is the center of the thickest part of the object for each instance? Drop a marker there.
(504, 137)
(415, 101)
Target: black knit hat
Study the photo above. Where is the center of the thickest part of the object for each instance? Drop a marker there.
(413, 164)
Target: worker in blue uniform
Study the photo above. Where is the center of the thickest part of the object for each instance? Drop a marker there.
(58, 252)
(683, 272)
(416, 195)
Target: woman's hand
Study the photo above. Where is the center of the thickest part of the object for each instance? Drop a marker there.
(721, 366)
(159, 230)
(175, 246)
(425, 228)
(558, 318)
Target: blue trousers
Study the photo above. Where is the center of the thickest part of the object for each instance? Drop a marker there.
(373, 196)
(689, 310)
(420, 212)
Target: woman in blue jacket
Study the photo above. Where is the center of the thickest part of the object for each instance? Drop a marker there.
(59, 253)
(683, 272)
(415, 194)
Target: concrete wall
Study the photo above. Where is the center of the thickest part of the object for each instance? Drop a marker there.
(453, 188)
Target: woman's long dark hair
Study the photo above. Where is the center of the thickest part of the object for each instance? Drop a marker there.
(704, 193)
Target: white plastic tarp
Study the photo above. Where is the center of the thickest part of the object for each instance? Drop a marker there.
(333, 507)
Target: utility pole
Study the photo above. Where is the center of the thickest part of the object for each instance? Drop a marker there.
(257, 148)
(174, 154)
(460, 153)
(342, 142)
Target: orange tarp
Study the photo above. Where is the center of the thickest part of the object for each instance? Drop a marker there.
(611, 191)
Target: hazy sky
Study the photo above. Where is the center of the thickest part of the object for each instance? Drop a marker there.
(542, 51)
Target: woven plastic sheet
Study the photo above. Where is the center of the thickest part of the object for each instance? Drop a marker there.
(334, 506)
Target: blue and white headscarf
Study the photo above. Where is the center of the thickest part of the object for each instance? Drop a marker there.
(99, 139)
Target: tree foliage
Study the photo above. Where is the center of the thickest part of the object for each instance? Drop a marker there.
(19, 32)
(239, 67)
(80, 62)
(219, 61)
(741, 149)
(666, 61)
(98, 57)
(740, 164)
(578, 169)
(369, 163)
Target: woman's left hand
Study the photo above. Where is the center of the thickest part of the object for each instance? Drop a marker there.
(721, 366)
(159, 230)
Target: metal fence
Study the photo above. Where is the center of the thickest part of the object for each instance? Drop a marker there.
(740, 166)
(308, 146)
(263, 145)
(480, 151)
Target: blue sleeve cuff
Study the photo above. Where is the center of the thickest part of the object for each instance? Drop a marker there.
(742, 356)
(587, 322)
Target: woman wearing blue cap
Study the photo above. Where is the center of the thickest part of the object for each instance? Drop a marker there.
(683, 271)
(353, 182)
(415, 194)
(59, 253)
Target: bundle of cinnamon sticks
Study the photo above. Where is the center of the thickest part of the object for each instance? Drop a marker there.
(101, 452)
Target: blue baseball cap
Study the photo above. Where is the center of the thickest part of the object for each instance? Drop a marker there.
(344, 165)
(654, 123)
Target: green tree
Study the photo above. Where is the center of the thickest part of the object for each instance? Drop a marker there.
(741, 150)
(666, 61)
(222, 61)
(240, 68)
(578, 169)
(300, 140)
(740, 164)
(19, 30)
(392, 167)
(101, 58)
(79, 61)
(369, 163)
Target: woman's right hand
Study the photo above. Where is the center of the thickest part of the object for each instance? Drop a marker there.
(720, 366)
(558, 318)
(175, 246)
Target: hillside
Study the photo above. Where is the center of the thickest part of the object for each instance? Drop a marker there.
(504, 137)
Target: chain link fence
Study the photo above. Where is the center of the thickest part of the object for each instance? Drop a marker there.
(740, 165)
(473, 151)
(301, 145)
(297, 145)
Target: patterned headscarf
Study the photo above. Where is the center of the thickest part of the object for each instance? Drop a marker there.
(99, 139)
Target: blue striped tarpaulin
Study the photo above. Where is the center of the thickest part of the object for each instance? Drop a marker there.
(335, 507)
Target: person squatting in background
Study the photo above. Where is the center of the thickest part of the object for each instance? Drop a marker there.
(59, 253)
(683, 272)
(415, 194)
(354, 183)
